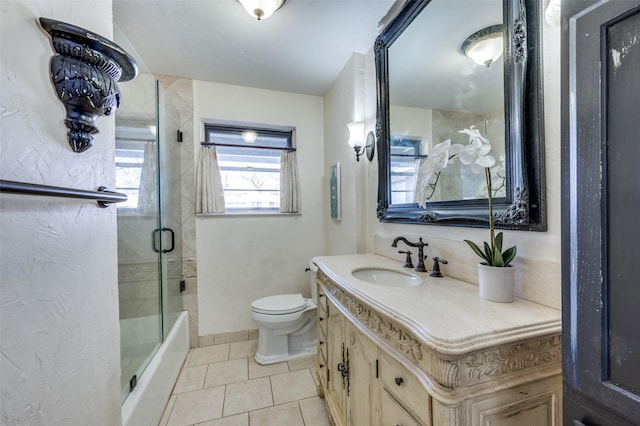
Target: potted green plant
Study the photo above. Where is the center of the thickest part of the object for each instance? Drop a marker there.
(495, 275)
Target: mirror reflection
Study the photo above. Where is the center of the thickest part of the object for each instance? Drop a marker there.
(441, 91)
(455, 77)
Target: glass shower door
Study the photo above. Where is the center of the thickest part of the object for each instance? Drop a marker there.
(170, 209)
(149, 224)
(139, 272)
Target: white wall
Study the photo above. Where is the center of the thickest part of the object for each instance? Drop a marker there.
(242, 258)
(344, 103)
(538, 261)
(60, 341)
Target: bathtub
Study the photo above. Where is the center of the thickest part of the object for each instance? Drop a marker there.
(145, 405)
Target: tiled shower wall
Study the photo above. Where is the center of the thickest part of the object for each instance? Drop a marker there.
(180, 92)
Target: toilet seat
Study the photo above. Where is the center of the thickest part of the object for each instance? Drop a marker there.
(280, 304)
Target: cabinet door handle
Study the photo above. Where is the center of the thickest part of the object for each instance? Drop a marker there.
(399, 380)
(320, 342)
(320, 319)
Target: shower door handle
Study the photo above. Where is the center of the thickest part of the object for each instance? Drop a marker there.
(173, 240)
(154, 238)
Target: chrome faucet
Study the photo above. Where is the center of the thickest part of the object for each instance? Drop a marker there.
(420, 244)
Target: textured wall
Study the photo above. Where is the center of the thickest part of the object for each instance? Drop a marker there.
(60, 341)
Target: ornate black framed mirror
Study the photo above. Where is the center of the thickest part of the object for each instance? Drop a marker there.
(429, 90)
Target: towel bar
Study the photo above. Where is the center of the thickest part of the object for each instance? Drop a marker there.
(102, 196)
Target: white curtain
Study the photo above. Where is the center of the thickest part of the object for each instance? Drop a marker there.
(421, 191)
(209, 192)
(289, 185)
(148, 189)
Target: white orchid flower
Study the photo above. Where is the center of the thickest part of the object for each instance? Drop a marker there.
(476, 154)
(430, 169)
(474, 135)
(443, 153)
(436, 162)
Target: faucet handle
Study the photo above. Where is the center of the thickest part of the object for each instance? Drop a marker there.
(435, 272)
(408, 263)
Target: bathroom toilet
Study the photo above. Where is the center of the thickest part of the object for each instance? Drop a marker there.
(286, 324)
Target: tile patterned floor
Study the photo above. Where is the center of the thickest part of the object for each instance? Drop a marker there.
(222, 385)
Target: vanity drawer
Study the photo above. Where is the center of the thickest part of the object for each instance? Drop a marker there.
(393, 413)
(405, 387)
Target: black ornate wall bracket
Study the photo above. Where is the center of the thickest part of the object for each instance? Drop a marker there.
(84, 72)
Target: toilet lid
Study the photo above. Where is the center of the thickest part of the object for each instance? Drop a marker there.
(279, 304)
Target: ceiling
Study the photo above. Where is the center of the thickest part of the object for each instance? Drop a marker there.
(301, 48)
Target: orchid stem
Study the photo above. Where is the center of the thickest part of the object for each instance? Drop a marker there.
(487, 175)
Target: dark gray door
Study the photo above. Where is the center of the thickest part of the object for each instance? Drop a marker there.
(601, 212)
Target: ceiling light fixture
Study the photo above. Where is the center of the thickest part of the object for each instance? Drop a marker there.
(249, 136)
(261, 9)
(484, 47)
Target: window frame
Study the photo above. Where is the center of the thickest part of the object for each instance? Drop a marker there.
(400, 141)
(235, 130)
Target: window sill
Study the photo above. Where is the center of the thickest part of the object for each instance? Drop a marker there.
(134, 213)
(247, 213)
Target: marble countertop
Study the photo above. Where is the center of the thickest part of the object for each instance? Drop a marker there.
(446, 314)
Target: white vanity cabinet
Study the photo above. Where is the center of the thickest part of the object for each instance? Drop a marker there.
(350, 362)
(400, 356)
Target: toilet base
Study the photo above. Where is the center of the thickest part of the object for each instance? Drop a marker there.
(272, 359)
(279, 345)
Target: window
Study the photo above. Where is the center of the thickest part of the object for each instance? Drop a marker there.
(132, 137)
(128, 172)
(249, 163)
(403, 154)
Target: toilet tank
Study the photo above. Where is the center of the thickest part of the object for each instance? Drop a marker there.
(313, 269)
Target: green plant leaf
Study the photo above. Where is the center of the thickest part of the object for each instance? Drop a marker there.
(488, 254)
(497, 258)
(499, 242)
(509, 254)
(475, 248)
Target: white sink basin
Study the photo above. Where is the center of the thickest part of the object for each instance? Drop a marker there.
(386, 277)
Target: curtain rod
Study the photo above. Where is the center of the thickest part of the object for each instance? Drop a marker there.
(410, 155)
(102, 196)
(247, 146)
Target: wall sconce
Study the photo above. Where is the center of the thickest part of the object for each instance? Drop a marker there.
(84, 72)
(357, 140)
(484, 47)
(261, 9)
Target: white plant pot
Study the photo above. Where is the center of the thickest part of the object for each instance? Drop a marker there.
(496, 284)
